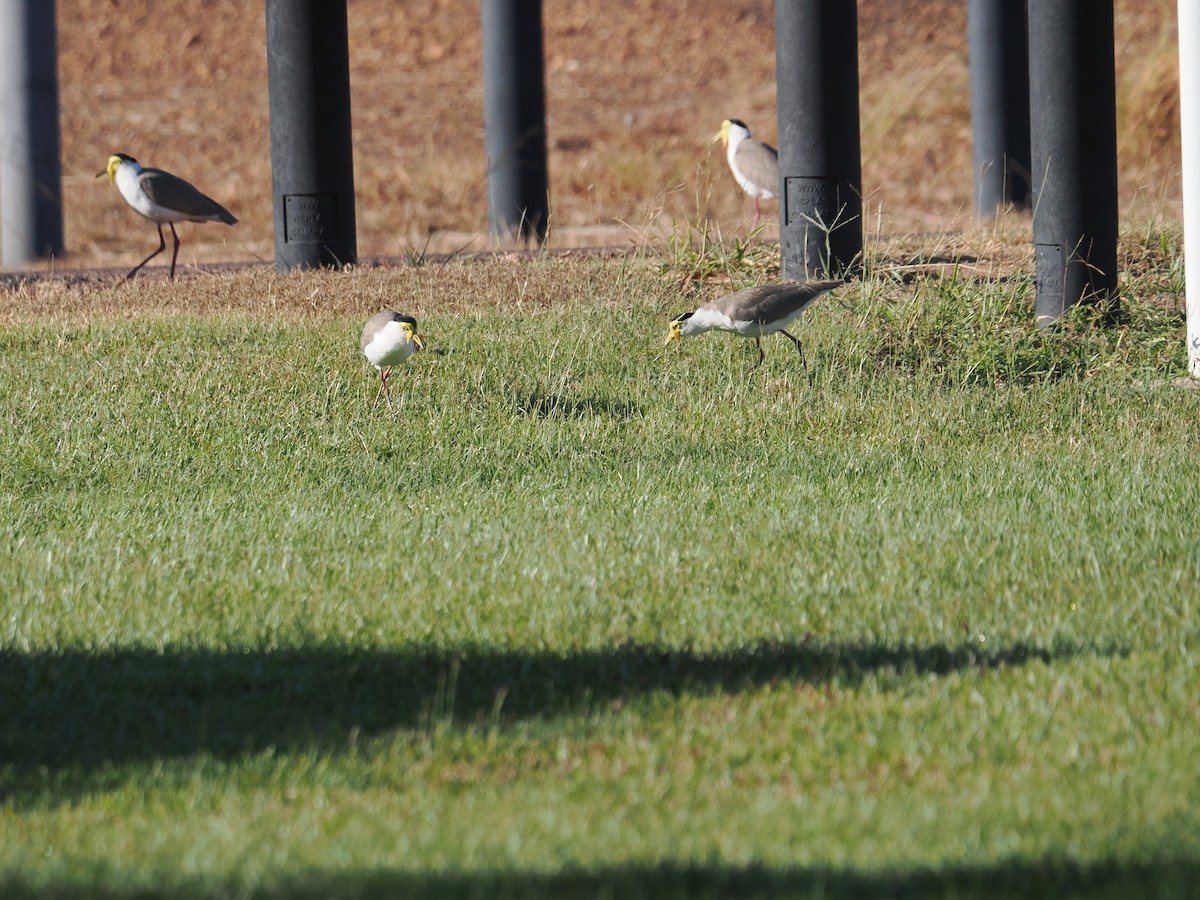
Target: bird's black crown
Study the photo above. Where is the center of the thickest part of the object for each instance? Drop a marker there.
(739, 123)
(682, 317)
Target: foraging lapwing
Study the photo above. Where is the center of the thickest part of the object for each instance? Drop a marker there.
(754, 164)
(389, 339)
(753, 312)
(162, 198)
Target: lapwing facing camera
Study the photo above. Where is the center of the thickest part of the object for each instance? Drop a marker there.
(389, 339)
(162, 198)
(754, 164)
(753, 312)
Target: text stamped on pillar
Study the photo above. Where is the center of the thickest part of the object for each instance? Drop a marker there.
(811, 201)
(310, 218)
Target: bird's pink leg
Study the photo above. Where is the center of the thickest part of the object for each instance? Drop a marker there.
(162, 245)
(387, 392)
(795, 340)
(171, 277)
(383, 388)
(761, 356)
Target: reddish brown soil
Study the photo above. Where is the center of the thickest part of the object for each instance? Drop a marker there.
(635, 91)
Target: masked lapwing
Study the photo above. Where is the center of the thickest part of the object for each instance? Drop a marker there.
(754, 164)
(162, 198)
(753, 312)
(389, 339)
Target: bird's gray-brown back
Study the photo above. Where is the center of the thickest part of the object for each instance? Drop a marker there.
(759, 164)
(172, 192)
(771, 302)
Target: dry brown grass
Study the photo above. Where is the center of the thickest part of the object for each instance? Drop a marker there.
(510, 281)
(633, 101)
(463, 285)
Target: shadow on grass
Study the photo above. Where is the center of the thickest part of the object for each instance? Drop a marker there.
(541, 404)
(1029, 880)
(85, 709)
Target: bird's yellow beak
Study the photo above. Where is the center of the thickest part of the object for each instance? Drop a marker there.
(723, 134)
(673, 334)
(418, 340)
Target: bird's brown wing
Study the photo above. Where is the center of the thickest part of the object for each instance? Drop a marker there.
(172, 192)
(771, 302)
(759, 164)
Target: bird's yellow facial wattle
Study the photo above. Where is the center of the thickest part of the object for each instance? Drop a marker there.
(114, 163)
(674, 332)
(723, 134)
(412, 337)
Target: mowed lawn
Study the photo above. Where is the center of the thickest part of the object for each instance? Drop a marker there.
(588, 616)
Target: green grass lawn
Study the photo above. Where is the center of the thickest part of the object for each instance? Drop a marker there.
(590, 617)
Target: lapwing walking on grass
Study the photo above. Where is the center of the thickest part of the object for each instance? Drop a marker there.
(389, 339)
(754, 164)
(162, 198)
(753, 312)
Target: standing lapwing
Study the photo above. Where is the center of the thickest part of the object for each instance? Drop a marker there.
(754, 164)
(162, 198)
(389, 339)
(753, 312)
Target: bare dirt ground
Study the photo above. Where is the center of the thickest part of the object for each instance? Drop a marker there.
(635, 91)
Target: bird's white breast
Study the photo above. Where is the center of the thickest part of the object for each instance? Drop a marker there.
(389, 346)
(130, 187)
(707, 319)
(754, 190)
(731, 147)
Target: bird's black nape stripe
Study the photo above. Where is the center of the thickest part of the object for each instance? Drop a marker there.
(125, 157)
(682, 317)
(739, 123)
(402, 318)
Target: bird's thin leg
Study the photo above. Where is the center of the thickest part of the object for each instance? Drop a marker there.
(387, 391)
(754, 224)
(761, 355)
(382, 387)
(171, 277)
(162, 245)
(795, 340)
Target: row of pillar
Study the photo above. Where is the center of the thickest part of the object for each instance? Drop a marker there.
(1044, 114)
(1042, 90)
